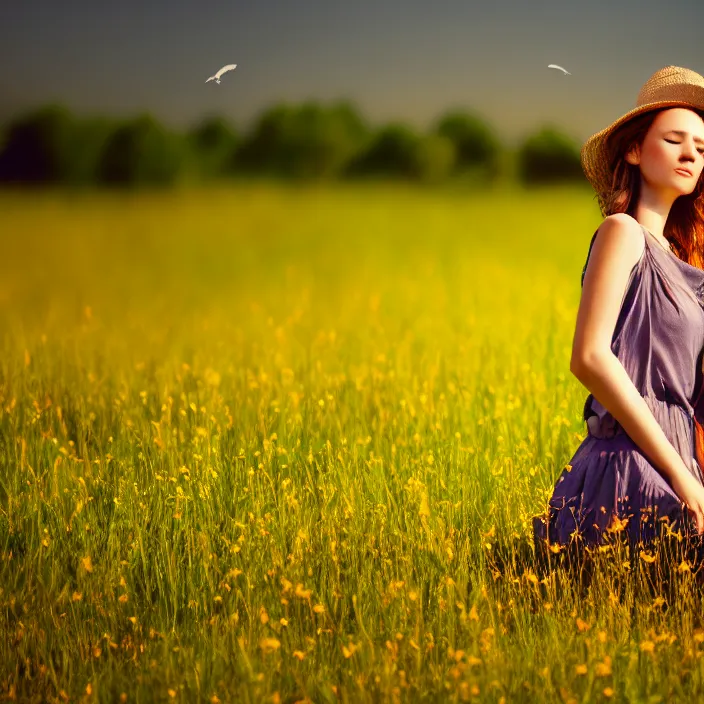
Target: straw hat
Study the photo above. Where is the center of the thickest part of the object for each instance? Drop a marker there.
(671, 86)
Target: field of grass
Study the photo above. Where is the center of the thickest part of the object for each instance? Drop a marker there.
(262, 443)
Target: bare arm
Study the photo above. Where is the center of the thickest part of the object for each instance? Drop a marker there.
(617, 248)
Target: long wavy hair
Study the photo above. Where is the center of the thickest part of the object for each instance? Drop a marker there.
(684, 228)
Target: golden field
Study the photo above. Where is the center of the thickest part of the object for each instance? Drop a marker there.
(262, 443)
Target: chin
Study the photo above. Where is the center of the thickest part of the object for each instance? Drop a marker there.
(683, 190)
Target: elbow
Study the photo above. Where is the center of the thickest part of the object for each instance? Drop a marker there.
(583, 363)
(577, 367)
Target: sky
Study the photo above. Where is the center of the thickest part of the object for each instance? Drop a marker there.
(407, 61)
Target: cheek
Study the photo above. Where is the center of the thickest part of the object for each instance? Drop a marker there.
(659, 159)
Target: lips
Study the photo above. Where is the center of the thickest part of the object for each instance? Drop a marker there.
(685, 172)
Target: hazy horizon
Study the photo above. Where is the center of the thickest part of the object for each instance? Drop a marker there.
(410, 66)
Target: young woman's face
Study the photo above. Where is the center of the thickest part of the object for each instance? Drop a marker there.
(674, 141)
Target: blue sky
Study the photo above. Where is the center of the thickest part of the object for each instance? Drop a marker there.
(408, 61)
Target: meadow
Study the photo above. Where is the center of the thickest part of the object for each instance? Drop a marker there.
(262, 443)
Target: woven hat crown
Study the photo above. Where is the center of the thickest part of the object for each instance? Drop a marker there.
(672, 83)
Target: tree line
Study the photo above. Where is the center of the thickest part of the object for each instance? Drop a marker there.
(50, 145)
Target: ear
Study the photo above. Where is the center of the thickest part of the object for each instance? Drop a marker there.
(633, 156)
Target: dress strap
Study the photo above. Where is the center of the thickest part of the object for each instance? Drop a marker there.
(591, 244)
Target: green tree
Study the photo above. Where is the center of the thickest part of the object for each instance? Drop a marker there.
(549, 156)
(391, 152)
(435, 158)
(37, 148)
(141, 152)
(88, 141)
(477, 147)
(306, 141)
(212, 147)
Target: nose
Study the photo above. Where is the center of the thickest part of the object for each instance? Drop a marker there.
(689, 150)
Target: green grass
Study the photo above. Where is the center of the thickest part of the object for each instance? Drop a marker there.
(261, 443)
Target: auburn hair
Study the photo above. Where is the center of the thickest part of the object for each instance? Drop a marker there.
(684, 228)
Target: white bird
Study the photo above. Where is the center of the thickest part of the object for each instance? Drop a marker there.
(216, 77)
(560, 68)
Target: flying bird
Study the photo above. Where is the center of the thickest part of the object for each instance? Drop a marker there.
(216, 77)
(560, 68)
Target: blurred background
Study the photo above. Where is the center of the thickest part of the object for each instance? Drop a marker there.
(100, 94)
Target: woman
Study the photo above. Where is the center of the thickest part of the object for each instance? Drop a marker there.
(640, 328)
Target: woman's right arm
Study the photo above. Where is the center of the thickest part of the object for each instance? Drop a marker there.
(616, 249)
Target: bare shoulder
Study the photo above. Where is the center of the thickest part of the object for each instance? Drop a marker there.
(623, 232)
(619, 242)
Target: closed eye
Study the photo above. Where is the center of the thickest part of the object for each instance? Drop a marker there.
(701, 151)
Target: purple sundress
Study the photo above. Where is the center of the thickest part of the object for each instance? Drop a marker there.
(658, 338)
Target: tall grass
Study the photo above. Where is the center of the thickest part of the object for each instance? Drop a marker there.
(274, 443)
